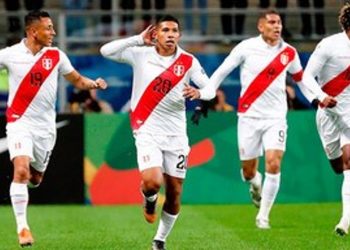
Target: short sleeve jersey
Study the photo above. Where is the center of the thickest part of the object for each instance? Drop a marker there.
(33, 83)
(156, 75)
(330, 65)
(263, 70)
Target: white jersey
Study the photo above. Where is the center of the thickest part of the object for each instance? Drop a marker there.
(263, 71)
(33, 84)
(330, 64)
(157, 102)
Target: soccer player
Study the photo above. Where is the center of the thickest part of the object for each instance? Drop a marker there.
(264, 62)
(330, 63)
(34, 67)
(162, 70)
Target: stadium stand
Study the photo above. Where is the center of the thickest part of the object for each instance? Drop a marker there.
(210, 48)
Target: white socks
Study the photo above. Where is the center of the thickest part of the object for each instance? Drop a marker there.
(256, 181)
(269, 192)
(19, 199)
(346, 194)
(166, 223)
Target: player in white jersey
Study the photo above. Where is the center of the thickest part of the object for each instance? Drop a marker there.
(330, 64)
(264, 62)
(33, 67)
(161, 72)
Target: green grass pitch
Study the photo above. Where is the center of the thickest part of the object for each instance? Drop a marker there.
(296, 226)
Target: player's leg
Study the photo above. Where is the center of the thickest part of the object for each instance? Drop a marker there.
(250, 174)
(343, 226)
(170, 212)
(152, 179)
(150, 161)
(20, 147)
(270, 187)
(36, 177)
(336, 146)
(175, 154)
(250, 148)
(274, 140)
(19, 198)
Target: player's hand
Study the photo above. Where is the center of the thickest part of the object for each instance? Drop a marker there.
(100, 84)
(201, 110)
(315, 103)
(328, 102)
(191, 92)
(148, 35)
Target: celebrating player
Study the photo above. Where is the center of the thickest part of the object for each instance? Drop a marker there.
(33, 67)
(264, 62)
(162, 71)
(331, 65)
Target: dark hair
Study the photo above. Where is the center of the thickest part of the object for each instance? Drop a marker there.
(344, 17)
(264, 13)
(167, 18)
(34, 15)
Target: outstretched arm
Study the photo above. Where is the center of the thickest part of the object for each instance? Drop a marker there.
(82, 82)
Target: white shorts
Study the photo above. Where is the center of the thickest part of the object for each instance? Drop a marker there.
(168, 152)
(334, 133)
(22, 141)
(256, 135)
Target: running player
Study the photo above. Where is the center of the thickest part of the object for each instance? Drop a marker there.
(33, 67)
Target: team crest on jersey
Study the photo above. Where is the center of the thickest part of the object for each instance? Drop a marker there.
(284, 58)
(47, 63)
(179, 69)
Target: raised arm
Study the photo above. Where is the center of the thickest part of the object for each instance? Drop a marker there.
(114, 50)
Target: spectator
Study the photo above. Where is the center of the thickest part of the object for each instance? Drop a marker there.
(218, 103)
(280, 4)
(75, 23)
(86, 101)
(14, 24)
(147, 6)
(127, 20)
(306, 18)
(106, 19)
(226, 19)
(202, 5)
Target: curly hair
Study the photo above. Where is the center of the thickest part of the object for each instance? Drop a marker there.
(344, 17)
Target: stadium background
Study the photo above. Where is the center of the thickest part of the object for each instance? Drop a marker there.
(94, 160)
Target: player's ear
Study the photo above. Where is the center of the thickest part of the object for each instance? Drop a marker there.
(260, 26)
(154, 36)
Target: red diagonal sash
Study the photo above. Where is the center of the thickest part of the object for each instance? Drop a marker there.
(158, 89)
(335, 86)
(265, 78)
(31, 84)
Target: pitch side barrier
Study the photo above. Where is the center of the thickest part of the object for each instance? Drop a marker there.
(94, 162)
(213, 175)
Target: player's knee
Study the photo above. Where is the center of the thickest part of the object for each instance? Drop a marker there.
(21, 173)
(151, 186)
(273, 166)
